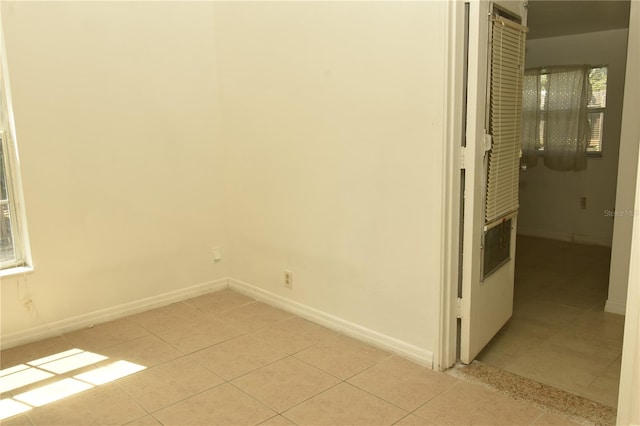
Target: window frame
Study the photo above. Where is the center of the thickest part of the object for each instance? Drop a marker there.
(11, 206)
(599, 110)
(590, 110)
(22, 261)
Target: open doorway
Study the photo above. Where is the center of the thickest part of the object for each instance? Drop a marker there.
(560, 333)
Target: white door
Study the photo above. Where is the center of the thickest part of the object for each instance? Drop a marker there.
(491, 166)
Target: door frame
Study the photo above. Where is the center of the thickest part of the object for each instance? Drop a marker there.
(459, 71)
(455, 70)
(445, 353)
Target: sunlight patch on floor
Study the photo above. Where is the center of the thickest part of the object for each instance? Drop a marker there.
(55, 357)
(9, 407)
(53, 366)
(13, 369)
(72, 362)
(22, 378)
(110, 372)
(52, 392)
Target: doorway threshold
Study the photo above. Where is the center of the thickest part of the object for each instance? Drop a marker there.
(579, 409)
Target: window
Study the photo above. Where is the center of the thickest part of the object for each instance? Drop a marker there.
(597, 78)
(563, 115)
(595, 107)
(14, 250)
(11, 252)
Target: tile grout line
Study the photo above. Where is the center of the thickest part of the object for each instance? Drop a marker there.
(189, 357)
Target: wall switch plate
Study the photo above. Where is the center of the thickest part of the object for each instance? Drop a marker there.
(216, 254)
(288, 279)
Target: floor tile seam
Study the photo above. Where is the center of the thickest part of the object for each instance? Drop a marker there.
(249, 331)
(93, 326)
(456, 383)
(211, 314)
(340, 381)
(151, 334)
(164, 407)
(315, 366)
(303, 401)
(586, 312)
(151, 412)
(186, 302)
(271, 418)
(344, 379)
(271, 345)
(596, 377)
(203, 348)
(282, 413)
(220, 314)
(600, 360)
(389, 356)
(26, 414)
(257, 400)
(408, 411)
(402, 418)
(602, 371)
(118, 383)
(615, 361)
(186, 357)
(251, 371)
(156, 419)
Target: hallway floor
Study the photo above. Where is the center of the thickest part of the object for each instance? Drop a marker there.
(223, 358)
(559, 334)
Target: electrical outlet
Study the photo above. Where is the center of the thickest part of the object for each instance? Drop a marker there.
(216, 254)
(583, 203)
(288, 279)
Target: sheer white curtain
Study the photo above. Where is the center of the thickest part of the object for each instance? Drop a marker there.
(555, 117)
(531, 125)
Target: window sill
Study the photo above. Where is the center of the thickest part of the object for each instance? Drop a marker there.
(16, 270)
(589, 154)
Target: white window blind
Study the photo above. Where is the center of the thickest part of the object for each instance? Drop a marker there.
(505, 112)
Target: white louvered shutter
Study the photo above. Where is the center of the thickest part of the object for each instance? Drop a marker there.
(505, 117)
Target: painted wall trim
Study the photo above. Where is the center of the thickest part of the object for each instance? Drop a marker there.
(563, 236)
(108, 314)
(445, 354)
(615, 307)
(404, 349)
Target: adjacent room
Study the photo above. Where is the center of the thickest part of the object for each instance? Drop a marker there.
(567, 326)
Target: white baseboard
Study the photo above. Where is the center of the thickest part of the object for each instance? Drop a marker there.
(563, 236)
(109, 314)
(615, 307)
(404, 349)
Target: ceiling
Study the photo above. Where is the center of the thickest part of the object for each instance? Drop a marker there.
(552, 18)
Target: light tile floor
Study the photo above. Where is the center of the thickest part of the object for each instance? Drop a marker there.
(559, 334)
(225, 359)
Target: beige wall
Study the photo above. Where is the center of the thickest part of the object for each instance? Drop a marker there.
(117, 119)
(629, 400)
(334, 120)
(550, 200)
(331, 164)
(627, 185)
